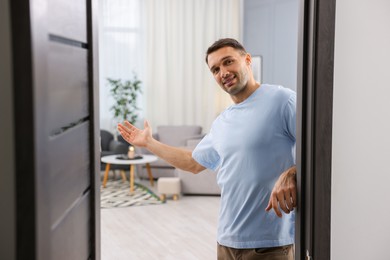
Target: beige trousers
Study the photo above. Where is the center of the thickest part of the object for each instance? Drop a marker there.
(271, 253)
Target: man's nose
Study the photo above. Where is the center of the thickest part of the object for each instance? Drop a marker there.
(224, 73)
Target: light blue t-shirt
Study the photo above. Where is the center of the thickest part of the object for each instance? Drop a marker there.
(251, 144)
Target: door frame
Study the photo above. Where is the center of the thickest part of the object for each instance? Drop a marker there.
(93, 73)
(314, 131)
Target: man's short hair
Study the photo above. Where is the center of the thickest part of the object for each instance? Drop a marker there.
(225, 42)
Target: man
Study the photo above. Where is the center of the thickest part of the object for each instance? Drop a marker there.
(251, 144)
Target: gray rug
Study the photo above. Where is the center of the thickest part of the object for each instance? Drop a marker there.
(117, 194)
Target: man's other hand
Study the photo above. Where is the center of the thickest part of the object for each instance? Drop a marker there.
(284, 193)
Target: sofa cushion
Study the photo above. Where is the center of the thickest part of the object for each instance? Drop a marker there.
(204, 182)
(177, 135)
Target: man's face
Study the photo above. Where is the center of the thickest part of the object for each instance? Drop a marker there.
(230, 69)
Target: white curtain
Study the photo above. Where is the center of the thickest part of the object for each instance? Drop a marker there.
(121, 50)
(178, 86)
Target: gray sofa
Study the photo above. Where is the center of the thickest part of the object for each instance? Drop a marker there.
(170, 135)
(204, 183)
(187, 137)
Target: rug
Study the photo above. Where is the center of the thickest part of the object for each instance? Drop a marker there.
(117, 194)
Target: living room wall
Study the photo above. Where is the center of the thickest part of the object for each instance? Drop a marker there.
(270, 29)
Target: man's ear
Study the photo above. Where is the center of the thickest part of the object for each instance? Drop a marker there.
(248, 59)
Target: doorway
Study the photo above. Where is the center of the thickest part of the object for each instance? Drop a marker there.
(315, 74)
(306, 10)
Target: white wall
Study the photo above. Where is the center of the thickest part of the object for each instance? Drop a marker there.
(271, 30)
(360, 227)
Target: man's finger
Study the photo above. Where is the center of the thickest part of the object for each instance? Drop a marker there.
(130, 126)
(289, 202)
(282, 202)
(122, 128)
(269, 206)
(294, 197)
(275, 206)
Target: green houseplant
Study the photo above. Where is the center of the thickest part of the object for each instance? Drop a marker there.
(125, 94)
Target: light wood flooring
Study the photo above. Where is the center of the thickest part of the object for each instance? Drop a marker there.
(177, 230)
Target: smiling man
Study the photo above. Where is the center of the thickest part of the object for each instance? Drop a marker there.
(251, 145)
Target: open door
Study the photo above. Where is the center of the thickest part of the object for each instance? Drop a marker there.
(56, 129)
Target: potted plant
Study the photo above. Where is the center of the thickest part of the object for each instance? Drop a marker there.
(125, 94)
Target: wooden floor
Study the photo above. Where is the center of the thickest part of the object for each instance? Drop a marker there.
(177, 230)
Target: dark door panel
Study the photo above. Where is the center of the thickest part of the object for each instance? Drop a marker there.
(67, 75)
(69, 169)
(68, 19)
(70, 238)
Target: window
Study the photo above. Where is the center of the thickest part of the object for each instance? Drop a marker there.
(120, 48)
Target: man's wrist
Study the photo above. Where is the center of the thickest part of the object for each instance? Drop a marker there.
(292, 172)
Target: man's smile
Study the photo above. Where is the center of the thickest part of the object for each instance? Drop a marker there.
(229, 81)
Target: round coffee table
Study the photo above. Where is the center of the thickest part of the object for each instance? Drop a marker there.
(113, 159)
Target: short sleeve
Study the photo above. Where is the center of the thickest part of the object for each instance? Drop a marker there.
(205, 154)
(290, 117)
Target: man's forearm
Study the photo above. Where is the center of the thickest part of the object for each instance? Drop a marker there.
(177, 157)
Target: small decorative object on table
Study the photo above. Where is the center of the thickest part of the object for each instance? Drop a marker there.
(131, 152)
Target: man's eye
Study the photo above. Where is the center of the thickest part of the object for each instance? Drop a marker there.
(228, 62)
(215, 71)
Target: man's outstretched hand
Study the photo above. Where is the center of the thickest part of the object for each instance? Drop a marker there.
(135, 135)
(284, 193)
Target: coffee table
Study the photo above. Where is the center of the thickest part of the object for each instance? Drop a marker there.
(113, 159)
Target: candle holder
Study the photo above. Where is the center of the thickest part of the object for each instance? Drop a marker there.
(131, 152)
